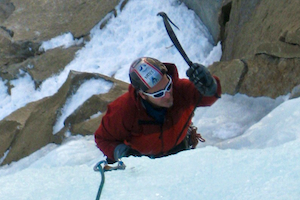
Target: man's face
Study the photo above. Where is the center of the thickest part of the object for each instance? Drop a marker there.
(165, 86)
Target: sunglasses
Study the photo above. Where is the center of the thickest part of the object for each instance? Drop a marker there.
(161, 93)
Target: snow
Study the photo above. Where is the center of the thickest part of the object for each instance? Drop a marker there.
(65, 41)
(252, 148)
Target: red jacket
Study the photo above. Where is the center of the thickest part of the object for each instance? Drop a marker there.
(123, 121)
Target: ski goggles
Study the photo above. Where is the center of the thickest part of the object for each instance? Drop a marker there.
(161, 93)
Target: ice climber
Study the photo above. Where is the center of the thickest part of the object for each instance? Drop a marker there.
(154, 117)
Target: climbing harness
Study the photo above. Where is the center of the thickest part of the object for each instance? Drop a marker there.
(193, 137)
(106, 167)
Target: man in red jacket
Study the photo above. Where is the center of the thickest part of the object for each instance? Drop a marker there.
(154, 116)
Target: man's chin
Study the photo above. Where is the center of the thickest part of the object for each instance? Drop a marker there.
(169, 105)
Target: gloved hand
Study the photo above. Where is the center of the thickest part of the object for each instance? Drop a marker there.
(203, 80)
(122, 150)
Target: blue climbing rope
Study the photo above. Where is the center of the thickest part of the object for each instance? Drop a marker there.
(106, 167)
(98, 167)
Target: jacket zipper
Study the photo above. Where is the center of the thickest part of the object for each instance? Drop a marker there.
(161, 138)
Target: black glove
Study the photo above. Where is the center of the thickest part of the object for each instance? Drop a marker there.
(203, 80)
(122, 150)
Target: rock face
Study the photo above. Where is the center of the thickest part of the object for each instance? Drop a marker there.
(259, 75)
(38, 20)
(31, 127)
(208, 11)
(6, 9)
(261, 22)
(264, 35)
(261, 51)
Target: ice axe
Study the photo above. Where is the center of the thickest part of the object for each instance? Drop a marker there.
(176, 43)
(178, 46)
(173, 37)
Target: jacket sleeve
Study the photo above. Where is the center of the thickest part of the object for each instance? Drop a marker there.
(191, 95)
(112, 130)
(209, 100)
